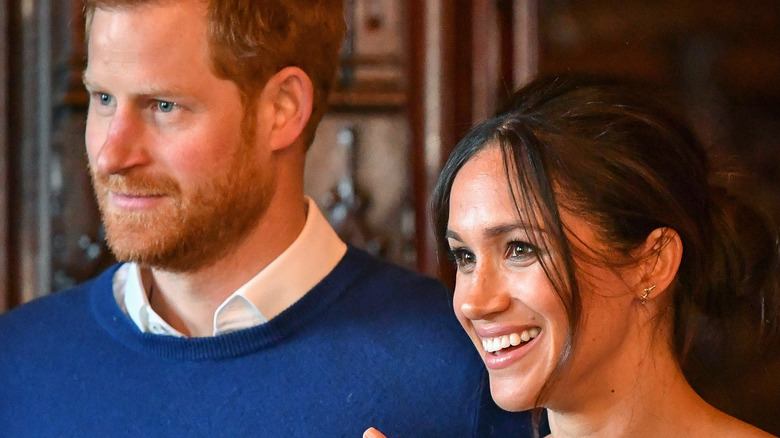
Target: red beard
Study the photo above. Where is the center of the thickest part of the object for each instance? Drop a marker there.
(188, 229)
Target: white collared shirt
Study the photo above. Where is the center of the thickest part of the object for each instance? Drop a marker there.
(280, 284)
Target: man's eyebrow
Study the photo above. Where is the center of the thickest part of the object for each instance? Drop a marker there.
(88, 82)
(148, 90)
(85, 80)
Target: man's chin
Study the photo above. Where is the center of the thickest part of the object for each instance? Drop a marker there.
(141, 256)
(169, 258)
(129, 245)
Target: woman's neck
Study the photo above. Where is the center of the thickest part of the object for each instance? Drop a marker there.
(654, 400)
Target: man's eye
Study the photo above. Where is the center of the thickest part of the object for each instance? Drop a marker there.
(165, 106)
(105, 99)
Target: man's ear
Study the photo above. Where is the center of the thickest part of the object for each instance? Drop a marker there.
(287, 100)
(663, 251)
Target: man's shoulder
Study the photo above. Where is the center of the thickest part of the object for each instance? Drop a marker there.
(398, 303)
(379, 286)
(370, 272)
(48, 313)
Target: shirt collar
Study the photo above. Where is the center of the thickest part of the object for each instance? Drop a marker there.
(311, 257)
(131, 294)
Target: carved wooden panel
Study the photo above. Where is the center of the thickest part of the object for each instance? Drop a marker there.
(29, 95)
(357, 172)
(722, 57)
(372, 72)
(4, 251)
(358, 167)
(78, 249)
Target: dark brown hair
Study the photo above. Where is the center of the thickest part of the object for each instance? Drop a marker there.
(251, 40)
(605, 151)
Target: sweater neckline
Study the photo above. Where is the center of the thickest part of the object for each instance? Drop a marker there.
(239, 343)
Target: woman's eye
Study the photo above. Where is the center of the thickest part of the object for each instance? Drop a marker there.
(520, 251)
(463, 259)
(165, 106)
(105, 99)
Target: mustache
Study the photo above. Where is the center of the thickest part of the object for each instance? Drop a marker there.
(135, 184)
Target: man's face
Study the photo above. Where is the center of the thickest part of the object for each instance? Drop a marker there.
(177, 184)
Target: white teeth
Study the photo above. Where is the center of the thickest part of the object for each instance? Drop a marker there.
(491, 345)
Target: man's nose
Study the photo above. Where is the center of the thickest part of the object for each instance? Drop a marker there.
(123, 145)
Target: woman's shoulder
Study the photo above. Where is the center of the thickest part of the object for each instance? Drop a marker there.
(726, 426)
(742, 429)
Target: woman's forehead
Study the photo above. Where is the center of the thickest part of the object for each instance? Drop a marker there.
(481, 194)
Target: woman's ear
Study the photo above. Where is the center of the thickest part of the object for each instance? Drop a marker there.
(286, 105)
(662, 254)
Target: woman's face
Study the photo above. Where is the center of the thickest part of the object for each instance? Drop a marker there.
(507, 304)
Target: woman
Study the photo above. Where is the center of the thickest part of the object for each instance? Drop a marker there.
(587, 242)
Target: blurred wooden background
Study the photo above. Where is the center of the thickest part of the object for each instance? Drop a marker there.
(415, 75)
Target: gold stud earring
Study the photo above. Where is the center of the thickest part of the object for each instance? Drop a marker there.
(646, 294)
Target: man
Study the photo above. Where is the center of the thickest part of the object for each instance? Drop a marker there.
(238, 311)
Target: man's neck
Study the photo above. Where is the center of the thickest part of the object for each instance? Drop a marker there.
(188, 300)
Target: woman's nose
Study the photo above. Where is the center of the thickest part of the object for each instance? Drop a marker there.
(482, 294)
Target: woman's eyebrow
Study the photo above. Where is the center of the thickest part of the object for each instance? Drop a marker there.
(502, 229)
(497, 230)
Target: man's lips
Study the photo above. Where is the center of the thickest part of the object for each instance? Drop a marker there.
(133, 201)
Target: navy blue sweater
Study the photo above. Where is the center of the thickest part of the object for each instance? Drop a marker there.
(371, 345)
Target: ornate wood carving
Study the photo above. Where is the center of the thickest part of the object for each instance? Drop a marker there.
(54, 221)
(77, 241)
(357, 166)
(4, 296)
(29, 122)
